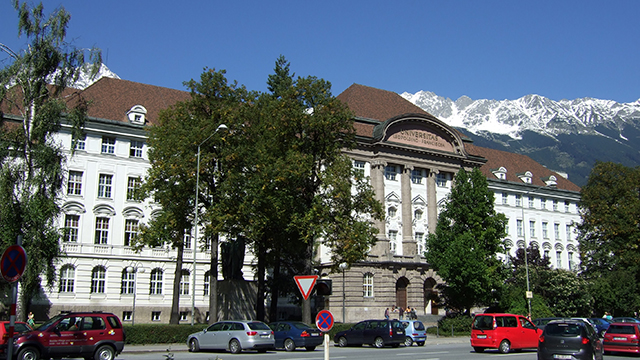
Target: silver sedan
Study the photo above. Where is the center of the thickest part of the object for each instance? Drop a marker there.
(233, 335)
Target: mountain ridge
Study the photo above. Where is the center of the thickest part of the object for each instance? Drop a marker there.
(567, 135)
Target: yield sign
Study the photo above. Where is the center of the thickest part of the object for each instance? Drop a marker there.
(305, 284)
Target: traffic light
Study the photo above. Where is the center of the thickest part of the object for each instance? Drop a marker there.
(323, 287)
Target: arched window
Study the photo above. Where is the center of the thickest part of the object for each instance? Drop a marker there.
(98, 276)
(367, 285)
(128, 281)
(155, 284)
(67, 278)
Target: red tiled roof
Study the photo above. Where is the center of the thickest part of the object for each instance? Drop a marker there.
(112, 98)
(372, 103)
(517, 164)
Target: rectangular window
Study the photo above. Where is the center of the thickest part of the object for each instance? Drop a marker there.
(555, 205)
(206, 284)
(184, 315)
(367, 285)
(393, 235)
(532, 228)
(74, 184)
(518, 199)
(421, 243)
(71, 224)
(506, 226)
(105, 183)
(184, 282)
(135, 149)
(441, 180)
(102, 230)
(80, 142)
(390, 172)
(155, 315)
(556, 231)
(545, 232)
(505, 198)
(519, 227)
(559, 259)
(543, 204)
(187, 241)
(566, 206)
(570, 258)
(67, 275)
(133, 183)
(126, 315)
(108, 145)
(416, 176)
(155, 284)
(568, 230)
(130, 231)
(531, 204)
(358, 168)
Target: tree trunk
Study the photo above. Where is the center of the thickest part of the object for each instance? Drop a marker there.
(213, 280)
(175, 300)
(275, 291)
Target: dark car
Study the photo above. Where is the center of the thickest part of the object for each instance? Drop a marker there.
(90, 335)
(601, 325)
(569, 339)
(292, 334)
(541, 322)
(622, 337)
(625, 319)
(378, 333)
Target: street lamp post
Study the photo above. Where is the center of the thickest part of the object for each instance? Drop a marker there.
(343, 266)
(134, 269)
(195, 237)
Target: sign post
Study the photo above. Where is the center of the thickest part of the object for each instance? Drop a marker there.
(324, 322)
(12, 265)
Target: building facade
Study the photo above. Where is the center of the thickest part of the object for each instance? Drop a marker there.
(410, 157)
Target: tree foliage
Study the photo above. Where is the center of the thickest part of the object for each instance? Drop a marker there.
(463, 250)
(32, 87)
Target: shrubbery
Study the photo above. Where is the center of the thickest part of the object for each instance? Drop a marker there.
(145, 334)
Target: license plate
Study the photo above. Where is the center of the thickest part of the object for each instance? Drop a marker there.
(556, 356)
(313, 334)
(482, 336)
(399, 333)
(619, 338)
(264, 336)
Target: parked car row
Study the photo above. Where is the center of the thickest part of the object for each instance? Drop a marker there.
(555, 338)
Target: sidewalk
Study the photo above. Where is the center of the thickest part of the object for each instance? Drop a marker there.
(165, 348)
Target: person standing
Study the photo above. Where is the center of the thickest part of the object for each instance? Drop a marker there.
(30, 321)
(386, 313)
(401, 313)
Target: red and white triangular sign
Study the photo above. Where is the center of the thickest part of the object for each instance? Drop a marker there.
(305, 284)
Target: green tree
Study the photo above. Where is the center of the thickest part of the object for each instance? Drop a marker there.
(182, 130)
(609, 235)
(291, 185)
(463, 250)
(32, 164)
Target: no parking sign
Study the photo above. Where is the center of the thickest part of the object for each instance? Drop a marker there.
(13, 263)
(324, 320)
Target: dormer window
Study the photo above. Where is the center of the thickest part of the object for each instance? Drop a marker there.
(137, 115)
(550, 180)
(500, 173)
(526, 177)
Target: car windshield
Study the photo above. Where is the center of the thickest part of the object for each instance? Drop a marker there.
(483, 322)
(47, 324)
(258, 326)
(563, 329)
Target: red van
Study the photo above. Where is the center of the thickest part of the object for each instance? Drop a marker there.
(503, 332)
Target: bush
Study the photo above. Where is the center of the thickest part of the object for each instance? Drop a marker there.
(460, 324)
(145, 334)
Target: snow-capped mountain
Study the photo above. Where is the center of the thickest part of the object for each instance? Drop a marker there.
(566, 135)
(85, 79)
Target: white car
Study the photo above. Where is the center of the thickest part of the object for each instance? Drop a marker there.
(233, 335)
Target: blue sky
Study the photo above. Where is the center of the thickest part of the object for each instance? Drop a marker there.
(482, 49)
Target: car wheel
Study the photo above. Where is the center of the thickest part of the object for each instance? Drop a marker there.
(408, 341)
(420, 343)
(478, 349)
(289, 345)
(342, 341)
(505, 347)
(234, 346)
(104, 352)
(194, 345)
(28, 353)
(310, 348)
(378, 342)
